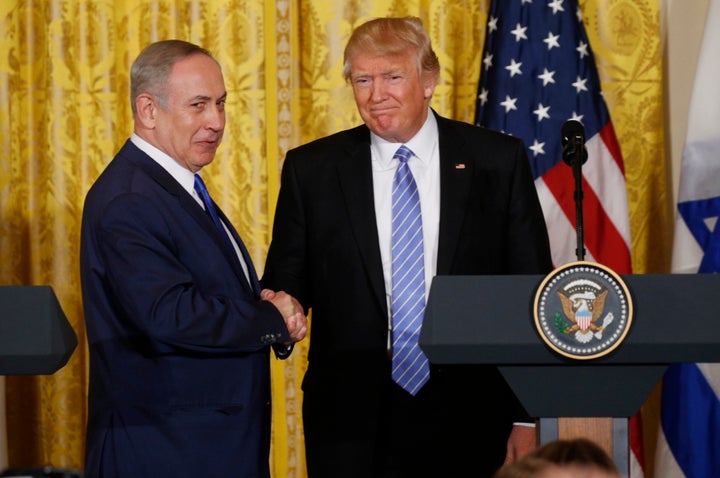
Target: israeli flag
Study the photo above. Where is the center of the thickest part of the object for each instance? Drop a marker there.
(689, 437)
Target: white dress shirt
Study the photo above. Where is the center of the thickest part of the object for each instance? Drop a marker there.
(425, 167)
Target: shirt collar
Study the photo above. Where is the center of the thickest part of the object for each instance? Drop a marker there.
(181, 174)
(421, 144)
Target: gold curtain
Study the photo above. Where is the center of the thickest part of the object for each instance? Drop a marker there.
(64, 111)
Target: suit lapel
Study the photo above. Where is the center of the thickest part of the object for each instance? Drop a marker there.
(254, 281)
(456, 172)
(356, 183)
(206, 223)
(188, 204)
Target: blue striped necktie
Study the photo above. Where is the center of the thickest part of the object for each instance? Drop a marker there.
(410, 367)
(212, 211)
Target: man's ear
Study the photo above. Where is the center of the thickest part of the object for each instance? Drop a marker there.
(146, 110)
(430, 81)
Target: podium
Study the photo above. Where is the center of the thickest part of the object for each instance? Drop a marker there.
(35, 336)
(489, 320)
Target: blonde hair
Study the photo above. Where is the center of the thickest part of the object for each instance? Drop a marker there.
(392, 36)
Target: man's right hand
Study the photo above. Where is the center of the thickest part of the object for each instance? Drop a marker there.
(291, 310)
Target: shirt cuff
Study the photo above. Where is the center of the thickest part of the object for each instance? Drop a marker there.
(523, 424)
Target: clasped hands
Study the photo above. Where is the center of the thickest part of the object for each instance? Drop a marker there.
(291, 310)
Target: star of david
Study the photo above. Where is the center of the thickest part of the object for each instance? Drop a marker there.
(701, 218)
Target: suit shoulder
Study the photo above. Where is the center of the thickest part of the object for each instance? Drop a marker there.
(334, 143)
(480, 133)
(128, 173)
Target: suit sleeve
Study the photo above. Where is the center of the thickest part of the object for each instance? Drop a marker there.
(529, 248)
(286, 264)
(171, 285)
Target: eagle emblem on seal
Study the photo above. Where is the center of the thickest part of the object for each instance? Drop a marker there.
(583, 303)
(583, 310)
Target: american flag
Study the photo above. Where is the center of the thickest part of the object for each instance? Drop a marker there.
(538, 71)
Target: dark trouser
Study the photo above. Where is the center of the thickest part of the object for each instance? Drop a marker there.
(456, 426)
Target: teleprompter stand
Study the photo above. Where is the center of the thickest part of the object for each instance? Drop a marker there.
(35, 339)
(489, 320)
(35, 336)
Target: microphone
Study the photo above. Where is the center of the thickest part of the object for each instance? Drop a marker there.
(573, 142)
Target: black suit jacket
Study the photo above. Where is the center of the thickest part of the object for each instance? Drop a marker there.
(325, 252)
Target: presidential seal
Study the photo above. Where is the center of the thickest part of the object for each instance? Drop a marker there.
(583, 310)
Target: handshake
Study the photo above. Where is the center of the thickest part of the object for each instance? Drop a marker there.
(291, 310)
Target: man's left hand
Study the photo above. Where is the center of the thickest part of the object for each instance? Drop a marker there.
(522, 440)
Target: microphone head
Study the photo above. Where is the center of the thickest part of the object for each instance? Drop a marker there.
(573, 142)
(572, 128)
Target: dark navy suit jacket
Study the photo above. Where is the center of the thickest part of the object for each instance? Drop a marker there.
(325, 252)
(178, 341)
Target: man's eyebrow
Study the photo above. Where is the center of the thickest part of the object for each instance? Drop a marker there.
(208, 98)
(199, 98)
(389, 71)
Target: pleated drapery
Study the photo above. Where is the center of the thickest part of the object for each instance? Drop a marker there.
(64, 112)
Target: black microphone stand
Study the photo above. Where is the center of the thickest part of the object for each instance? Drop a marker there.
(574, 154)
(577, 172)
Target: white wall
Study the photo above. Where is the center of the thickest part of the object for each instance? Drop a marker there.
(683, 25)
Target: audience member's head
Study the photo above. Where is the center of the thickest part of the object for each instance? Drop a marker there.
(579, 454)
(532, 467)
(574, 458)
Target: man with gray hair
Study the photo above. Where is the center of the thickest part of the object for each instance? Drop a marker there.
(179, 330)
